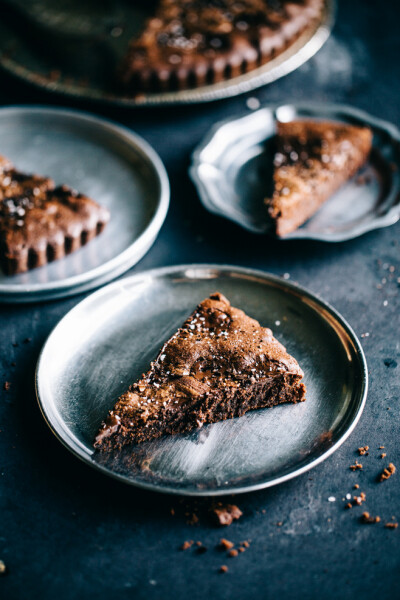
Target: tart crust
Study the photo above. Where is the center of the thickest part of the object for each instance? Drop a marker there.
(191, 43)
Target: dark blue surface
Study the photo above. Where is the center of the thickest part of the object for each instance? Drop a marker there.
(68, 532)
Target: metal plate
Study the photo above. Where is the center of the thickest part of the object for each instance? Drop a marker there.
(232, 170)
(87, 61)
(103, 160)
(109, 339)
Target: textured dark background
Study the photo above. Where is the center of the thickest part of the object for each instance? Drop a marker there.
(68, 532)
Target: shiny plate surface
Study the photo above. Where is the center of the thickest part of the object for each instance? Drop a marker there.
(232, 170)
(108, 163)
(78, 52)
(109, 339)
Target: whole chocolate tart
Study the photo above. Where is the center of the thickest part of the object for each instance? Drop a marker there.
(191, 43)
(218, 365)
(40, 222)
(313, 160)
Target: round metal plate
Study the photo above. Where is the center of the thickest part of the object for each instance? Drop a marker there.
(109, 339)
(108, 163)
(232, 170)
(86, 65)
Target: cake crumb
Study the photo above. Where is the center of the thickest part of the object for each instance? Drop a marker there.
(368, 519)
(3, 568)
(358, 500)
(186, 545)
(226, 514)
(391, 525)
(381, 447)
(223, 569)
(356, 466)
(388, 472)
(225, 544)
(233, 553)
(246, 544)
(193, 519)
(383, 454)
(356, 486)
(349, 505)
(363, 451)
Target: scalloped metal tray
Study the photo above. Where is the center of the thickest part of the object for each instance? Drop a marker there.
(232, 170)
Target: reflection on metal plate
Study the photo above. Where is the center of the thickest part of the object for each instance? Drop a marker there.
(122, 327)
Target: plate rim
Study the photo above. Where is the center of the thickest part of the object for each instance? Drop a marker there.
(206, 198)
(137, 248)
(282, 65)
(76, 449)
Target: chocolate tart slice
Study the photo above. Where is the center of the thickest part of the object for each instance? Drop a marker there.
(312, 161)
(218, 365)
(39, 222)
(191, 43)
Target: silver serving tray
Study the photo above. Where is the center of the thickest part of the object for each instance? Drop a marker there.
(88, 59)
(109, 339)
(103, 160)
(232, 170)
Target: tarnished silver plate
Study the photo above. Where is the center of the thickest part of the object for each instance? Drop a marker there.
(109, 339)
(232, 170)
(80, 44)
(103, 160)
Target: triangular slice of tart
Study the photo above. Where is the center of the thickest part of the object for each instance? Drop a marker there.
(40, 222)
(313, 160)
(218, 365)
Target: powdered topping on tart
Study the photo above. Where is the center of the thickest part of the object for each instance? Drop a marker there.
(312, 161)
(218, 365)
(189, 43)
(40, 222)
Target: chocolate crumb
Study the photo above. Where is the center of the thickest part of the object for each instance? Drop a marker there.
(193, 519)
(233, 553)
(226, 544)
(363, 450)
(368, 519)
(356, 466)
(201, 549)
(226, 514)
(388, 472)
(172, 511)
(358, 500)
(27, 340)
(186, 545)
(391, 525)
(6, 386)
(223, 569)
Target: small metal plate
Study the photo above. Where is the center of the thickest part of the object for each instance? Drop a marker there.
(108, 163)
(109, 339)
(85, 64)
(232, 170)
